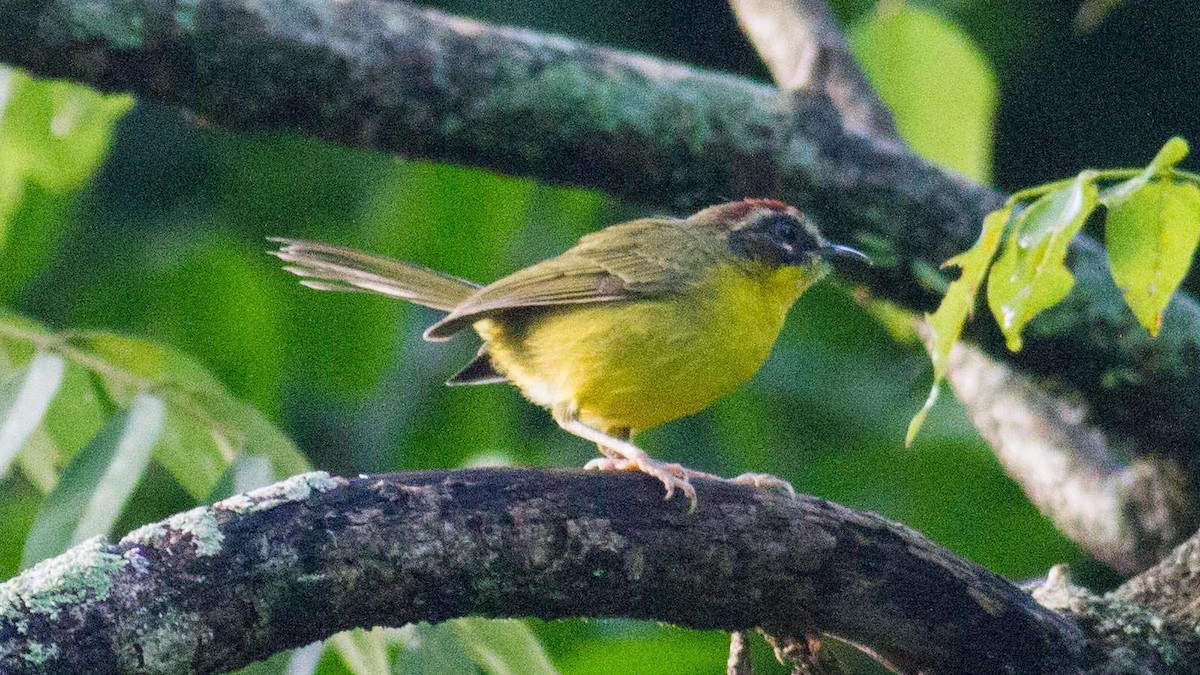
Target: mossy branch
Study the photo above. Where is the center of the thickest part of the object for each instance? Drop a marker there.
(222, 586)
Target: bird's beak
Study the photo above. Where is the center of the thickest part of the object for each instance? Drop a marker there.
(839, 251)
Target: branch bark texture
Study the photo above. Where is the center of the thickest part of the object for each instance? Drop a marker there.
(805, 50)
(396, 78)
(218, 587)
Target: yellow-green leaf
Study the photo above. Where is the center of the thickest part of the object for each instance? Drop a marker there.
(946, 324)
(1030, 276)
(1151, 238)
(59, 130)
(1172, 153)
(939, 86)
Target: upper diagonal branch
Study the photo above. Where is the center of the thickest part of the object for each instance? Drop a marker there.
(804, 49)
(396, 78)
(218, 587)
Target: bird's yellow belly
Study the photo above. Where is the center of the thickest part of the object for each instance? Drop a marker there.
(638, 364)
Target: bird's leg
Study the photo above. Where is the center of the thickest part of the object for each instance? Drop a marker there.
(613, 460)
(621, 455)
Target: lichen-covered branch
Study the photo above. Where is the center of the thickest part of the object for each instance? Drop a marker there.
(802, 46)
(221, 586)
(1164, 622)
(397, 78)
(1169, 593)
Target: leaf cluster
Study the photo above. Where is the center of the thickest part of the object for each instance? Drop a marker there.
(1152, 228)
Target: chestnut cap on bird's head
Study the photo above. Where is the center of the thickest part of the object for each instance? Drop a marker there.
(773, 233)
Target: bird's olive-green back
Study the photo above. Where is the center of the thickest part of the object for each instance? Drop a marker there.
(638, 259)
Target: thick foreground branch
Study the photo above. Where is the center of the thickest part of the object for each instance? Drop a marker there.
(218, 587)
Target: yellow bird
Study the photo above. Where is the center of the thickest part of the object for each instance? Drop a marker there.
(638, 324)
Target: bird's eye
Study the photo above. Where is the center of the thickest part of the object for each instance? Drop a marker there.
(784, 229)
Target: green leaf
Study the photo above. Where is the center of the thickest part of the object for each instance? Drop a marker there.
(433, 650)
(939, 86)
(629, 647)
(53, 135)
(206, 428)
(503, 646)
(1030, 275)
(946, 324)
(365, 652)
(1172, 153)
(57, 129)
(1151, 238)
(23, 403)
(95, 486)
(12, 187)
(72, 416)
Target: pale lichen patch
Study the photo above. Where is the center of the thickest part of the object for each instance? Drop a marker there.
(120, 24)
(199, 522)
(1108, 617)
(202, 525)
(37, 654)
(52, 585)
(236, 504)
(165, 644)
(295, 489)
(146, 534)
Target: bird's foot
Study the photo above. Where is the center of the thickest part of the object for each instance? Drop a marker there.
(673, 476)
(609, 464)
(765, 481)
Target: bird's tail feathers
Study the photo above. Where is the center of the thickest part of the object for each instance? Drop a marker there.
(333, 268)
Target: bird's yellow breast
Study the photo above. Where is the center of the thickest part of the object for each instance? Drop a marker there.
(639, 363)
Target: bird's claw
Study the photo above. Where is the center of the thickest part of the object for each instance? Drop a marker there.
(765, 481)
(673, 476)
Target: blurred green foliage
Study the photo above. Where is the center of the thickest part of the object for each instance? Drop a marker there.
(164, 244)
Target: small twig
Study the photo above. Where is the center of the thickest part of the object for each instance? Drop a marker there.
(739, 654)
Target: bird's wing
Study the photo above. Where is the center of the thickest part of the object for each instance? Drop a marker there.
(642, 258)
